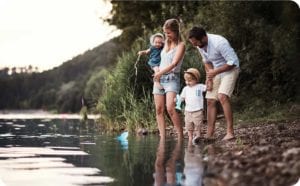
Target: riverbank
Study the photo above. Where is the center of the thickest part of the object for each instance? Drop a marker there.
(265, 153)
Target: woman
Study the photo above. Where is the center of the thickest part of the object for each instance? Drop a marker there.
(169, 76)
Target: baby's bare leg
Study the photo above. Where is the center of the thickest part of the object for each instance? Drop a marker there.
(156, 82)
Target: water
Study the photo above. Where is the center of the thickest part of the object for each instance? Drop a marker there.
(68, 152)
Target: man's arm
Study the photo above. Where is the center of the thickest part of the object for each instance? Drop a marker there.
(229, 55)
(213, 72)
(208, 66)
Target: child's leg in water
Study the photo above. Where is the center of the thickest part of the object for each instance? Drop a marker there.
(156, 82)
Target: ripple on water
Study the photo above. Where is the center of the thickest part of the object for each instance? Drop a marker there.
(45, 166)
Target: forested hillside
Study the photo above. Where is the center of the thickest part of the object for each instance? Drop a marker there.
(62, 88)
(265, 35)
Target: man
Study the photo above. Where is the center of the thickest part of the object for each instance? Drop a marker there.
(222, 67)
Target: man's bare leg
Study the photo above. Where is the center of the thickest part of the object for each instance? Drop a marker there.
(211, 117)
(225, 102)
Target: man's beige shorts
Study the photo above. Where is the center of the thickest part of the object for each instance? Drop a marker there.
(223, 83)
(193, 120)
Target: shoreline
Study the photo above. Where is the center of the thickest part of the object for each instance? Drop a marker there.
(40, 114)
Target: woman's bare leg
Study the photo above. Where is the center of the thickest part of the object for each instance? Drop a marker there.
(159, 101)
(173, 114)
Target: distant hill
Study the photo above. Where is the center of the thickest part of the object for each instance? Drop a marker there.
(61, 88)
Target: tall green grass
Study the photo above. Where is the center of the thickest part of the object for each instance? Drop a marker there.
(127, 100)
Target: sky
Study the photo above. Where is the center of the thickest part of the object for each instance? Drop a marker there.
(46, 33)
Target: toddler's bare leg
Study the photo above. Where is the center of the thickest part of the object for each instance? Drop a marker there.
(190, 134)
(156, 82)
(198, 123)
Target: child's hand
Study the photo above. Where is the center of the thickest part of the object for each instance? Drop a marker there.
(141, 52)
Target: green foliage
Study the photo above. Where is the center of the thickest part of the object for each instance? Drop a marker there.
(147, 16)
(266, 42)
(271, 112)
(61, 88)
(264, 35)
(94, 84)
(126, 101)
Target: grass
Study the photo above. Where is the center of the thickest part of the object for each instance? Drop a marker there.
(268, 114)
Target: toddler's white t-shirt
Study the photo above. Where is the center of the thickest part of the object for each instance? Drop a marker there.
(193, 97)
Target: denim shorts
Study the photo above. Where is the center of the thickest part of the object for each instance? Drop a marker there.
(170, 83)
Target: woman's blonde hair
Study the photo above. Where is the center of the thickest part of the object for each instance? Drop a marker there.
(174, 26)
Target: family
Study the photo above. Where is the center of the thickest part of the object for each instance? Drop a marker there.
(222, 69)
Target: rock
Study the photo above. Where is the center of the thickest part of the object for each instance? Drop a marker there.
(142, 131)
(290, 153)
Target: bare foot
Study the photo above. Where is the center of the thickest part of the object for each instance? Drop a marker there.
(158, 85)
(228, 137)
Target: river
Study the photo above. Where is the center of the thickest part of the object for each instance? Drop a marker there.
(62, 150)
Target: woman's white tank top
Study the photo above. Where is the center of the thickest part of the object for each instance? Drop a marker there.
(167, 58)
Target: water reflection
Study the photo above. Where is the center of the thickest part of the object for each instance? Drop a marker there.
(193, 166)
(141, 160)
(44, 132)
(123, 140)
(47, 152)
(169, 173)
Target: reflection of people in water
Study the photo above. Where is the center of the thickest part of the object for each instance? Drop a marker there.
(159, 176)
(193, 167)
(169, 174)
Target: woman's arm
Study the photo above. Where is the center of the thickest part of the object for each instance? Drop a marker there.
(177, 58)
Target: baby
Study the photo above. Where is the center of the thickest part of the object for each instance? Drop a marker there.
(157, 44)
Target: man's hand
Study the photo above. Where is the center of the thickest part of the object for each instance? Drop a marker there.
(211, 73)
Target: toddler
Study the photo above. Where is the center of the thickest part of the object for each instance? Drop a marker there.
(192, 95)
